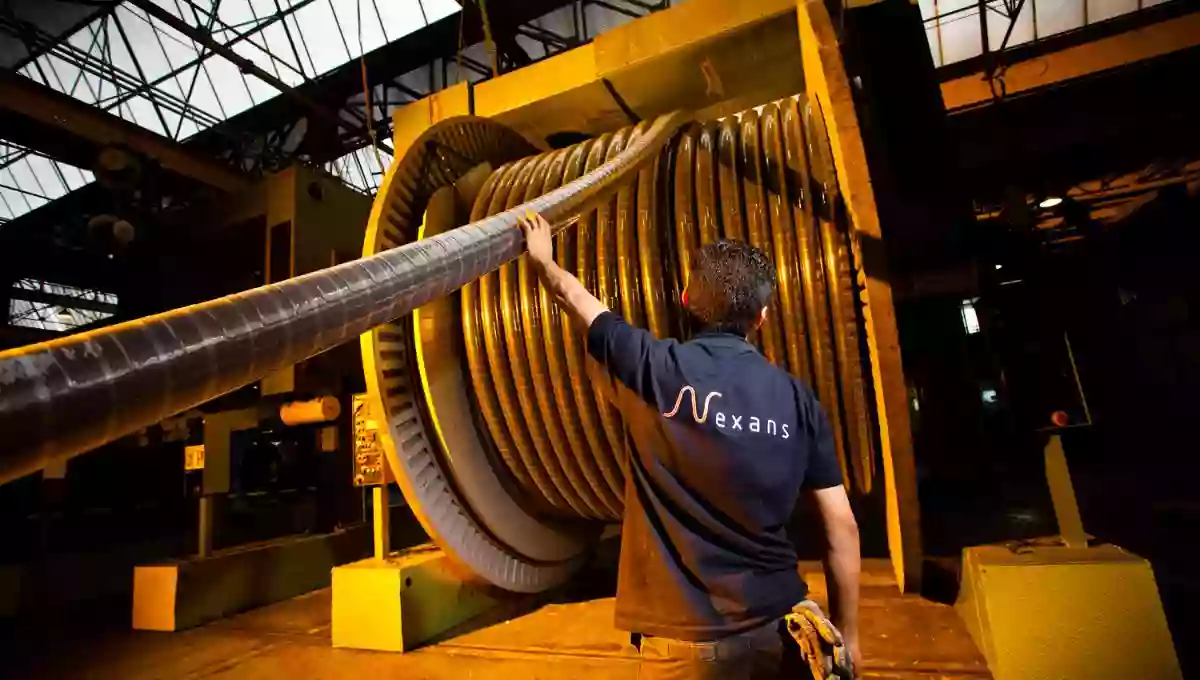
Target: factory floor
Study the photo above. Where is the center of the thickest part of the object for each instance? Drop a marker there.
(568, 637)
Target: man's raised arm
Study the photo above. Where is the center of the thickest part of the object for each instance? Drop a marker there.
(631, 355)
(567, 291)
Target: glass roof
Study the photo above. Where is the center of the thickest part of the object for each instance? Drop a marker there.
(29, 180)
(48, 306)
(955, 34)
(135, 66)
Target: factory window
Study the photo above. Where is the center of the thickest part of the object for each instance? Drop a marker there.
(954, 28)
(56, 307)
(136, 60)
(970, 317)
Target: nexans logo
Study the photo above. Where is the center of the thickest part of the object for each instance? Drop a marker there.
(724, 420)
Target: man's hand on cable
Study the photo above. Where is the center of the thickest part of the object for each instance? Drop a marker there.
(567, 291)
(539, 238)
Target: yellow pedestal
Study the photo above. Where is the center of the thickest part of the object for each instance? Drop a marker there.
(1053, 613)
(398, 604)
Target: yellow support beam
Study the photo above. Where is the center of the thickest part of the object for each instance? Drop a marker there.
(696, 55)
(1147, 42)
(827, 84)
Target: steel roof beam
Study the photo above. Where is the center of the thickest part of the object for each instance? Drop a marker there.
(65, 128)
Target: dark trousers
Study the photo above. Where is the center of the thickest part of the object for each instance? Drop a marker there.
(765, 653)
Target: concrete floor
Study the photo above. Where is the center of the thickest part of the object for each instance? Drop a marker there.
(904, 637)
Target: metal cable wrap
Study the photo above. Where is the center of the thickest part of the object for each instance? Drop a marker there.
(64, 397)
(765, 177)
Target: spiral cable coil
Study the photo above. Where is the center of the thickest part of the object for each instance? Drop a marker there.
(762, 176)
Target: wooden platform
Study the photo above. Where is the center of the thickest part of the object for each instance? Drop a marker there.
(905, 637)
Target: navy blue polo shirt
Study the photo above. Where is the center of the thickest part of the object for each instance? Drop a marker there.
(724, 443)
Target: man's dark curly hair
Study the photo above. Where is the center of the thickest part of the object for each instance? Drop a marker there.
(729, 284)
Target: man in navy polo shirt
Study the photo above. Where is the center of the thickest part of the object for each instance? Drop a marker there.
(726, 441)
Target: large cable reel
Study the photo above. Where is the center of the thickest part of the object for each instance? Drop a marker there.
(497, 423)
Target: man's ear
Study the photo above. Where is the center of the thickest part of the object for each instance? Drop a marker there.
(683, 297)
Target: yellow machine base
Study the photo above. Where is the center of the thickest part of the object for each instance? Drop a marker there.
(179, 595)
(1052, 613)
(398, 604)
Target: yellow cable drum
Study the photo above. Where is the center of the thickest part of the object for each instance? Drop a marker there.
(514, 413)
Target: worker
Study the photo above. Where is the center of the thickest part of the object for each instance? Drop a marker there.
(708, 578)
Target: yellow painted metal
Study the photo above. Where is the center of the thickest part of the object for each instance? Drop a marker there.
(411, 120)
(1062, 494)
(695, 55)
(1055, 613)
(193, 457)
(558, 89)
(1094, 56)
(319, 410)
(154, 597)
(398, 604)
(700, 53)
(381, 523)
(829, 88)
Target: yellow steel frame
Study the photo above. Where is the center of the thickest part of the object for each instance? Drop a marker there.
(565, 93)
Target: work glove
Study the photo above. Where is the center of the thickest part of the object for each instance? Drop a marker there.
(820, 644)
